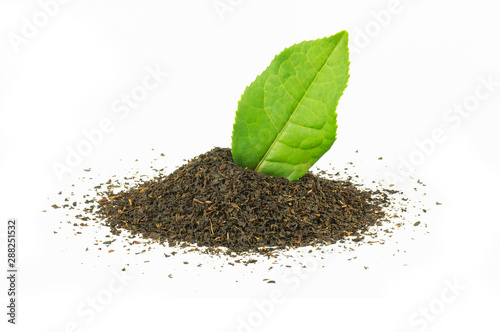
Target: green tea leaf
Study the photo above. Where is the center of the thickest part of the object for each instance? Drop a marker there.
(286, 118)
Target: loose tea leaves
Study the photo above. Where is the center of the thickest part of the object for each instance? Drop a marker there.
(213, 202)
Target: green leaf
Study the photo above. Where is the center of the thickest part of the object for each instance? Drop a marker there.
(286, 118)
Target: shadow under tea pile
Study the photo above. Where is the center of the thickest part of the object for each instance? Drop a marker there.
(213, 202)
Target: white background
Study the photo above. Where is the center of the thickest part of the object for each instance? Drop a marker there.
(411, 62)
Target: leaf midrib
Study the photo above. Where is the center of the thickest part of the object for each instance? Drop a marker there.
(296, 108)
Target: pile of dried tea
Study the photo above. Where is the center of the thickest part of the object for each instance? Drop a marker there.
(212, 202)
